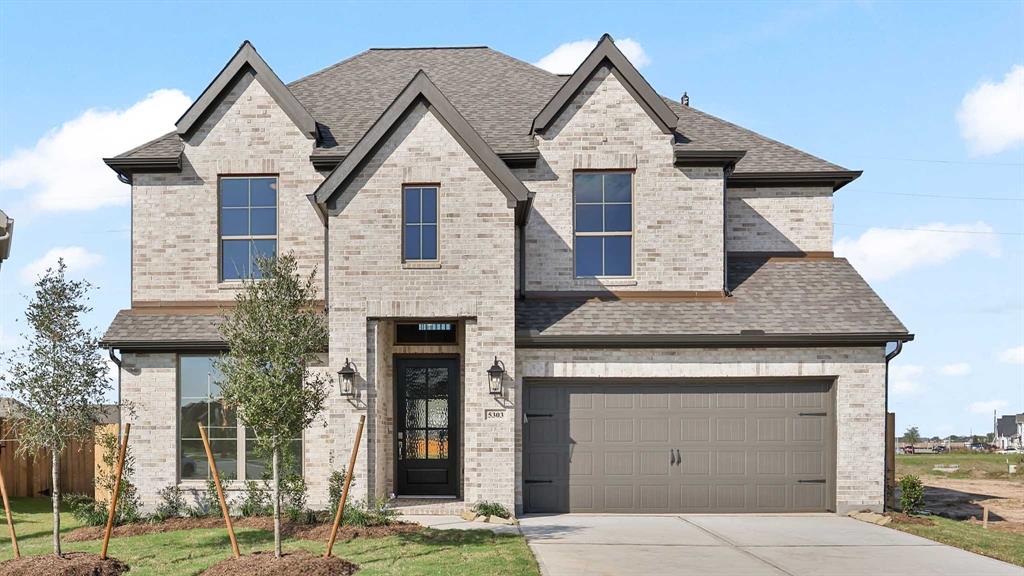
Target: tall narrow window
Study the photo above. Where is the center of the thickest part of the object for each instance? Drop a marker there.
(248, 225)
(419, 235)
(603, 235)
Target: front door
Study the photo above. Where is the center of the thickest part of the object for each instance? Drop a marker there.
(426, 431)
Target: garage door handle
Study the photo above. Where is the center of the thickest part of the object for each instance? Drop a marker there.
(813, 414)
(819, 481)
(671, 457)
(538, 481)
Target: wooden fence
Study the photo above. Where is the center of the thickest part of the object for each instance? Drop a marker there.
(30, 475)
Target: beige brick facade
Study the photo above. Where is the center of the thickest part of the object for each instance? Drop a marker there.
(784, 219)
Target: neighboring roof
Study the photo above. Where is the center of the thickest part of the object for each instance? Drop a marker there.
(1006, 426)
(132, 329)
(421, 90)
(606, 53)
(499, 96)
(772, 300)
(246, 61)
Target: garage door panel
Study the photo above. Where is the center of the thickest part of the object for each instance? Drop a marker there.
(678, 447)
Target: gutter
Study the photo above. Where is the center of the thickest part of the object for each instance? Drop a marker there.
(532, 339)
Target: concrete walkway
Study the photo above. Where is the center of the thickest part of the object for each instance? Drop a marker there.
(713, 545)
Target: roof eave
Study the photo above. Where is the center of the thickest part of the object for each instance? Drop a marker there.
(532, 339)
(727, 159)
(163, 345)
(127, 167)
(834, 178)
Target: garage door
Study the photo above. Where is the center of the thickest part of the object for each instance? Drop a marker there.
(668, 447)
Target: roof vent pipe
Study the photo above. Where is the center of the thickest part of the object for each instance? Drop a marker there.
(685, 100)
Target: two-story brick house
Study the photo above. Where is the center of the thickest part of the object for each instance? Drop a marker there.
(653, 287)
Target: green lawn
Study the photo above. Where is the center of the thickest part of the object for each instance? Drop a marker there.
(972, 465)
(461, 553)
(1004, 546)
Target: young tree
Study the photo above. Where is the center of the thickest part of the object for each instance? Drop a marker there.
(273, 334)
(58, 376)
(912, 436)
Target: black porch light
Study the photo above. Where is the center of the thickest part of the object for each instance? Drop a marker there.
(495, 374)
(346, 379)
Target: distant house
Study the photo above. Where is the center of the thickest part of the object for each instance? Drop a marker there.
(1010, 431)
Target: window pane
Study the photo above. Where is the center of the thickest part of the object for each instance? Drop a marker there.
(412, 205)
(429, 242)
(234, 192)
(618, 187)
(412, 242)
(294, 463)
(193, 413)
(198, 377)
(234, 221)
(225, 454)
(588, 256)
(588, 218)
(437, 444)
(415, 445)
(429, 205)
(235, 259)
(618, 217)
(437, 414)
(193, 460)
(263, 191)
(618, 256)
(587, 187)
(262, 249)
(222, 422)
(264, 221)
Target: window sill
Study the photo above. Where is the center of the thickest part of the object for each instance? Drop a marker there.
(591, 282)
(431, 265)
(230, 285)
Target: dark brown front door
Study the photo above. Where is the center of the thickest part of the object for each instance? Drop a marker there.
(426, 439)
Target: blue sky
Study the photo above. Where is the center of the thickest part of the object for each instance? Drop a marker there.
(925, 99)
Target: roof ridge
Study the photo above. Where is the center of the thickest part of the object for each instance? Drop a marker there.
(327, 69)
(478, 47)
(753, 133)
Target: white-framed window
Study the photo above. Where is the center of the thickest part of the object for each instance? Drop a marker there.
(603, 224)
(247, 208)
(233, 444)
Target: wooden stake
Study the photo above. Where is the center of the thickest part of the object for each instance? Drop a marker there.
(344, 491)
(220, 491)
(10, 521)
(984, 517)
(117, 488)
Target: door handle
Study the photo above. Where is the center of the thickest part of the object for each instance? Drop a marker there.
(671, 457)
(679, 457)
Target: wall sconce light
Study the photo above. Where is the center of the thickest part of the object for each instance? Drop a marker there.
(346, 379)
(495, 374)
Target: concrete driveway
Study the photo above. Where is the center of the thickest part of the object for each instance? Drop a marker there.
(803, 545)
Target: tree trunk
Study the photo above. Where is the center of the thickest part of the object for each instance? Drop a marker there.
(277, 506)
(55, 469)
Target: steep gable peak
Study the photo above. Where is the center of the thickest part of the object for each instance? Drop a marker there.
(246, 60)
(606, 53)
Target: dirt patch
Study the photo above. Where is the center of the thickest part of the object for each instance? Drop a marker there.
(72, 564)
(264, 564)
(902, 518)
(961, 499)
(288, 529)
(1002, 526)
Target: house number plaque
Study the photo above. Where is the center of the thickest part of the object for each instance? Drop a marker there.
(494, 414)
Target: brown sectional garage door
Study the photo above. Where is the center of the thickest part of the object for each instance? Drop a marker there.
(668, 447)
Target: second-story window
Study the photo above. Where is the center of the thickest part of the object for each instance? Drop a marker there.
(603, 233)
(248, 224)
(419, 232)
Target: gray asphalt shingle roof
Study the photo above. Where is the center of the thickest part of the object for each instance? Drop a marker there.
(141, 329)
(496, 93)
(789, 296)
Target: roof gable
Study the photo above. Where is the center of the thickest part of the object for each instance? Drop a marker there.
(635, 84)
(421, 89)
(246, 59)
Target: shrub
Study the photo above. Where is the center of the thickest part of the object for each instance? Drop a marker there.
(172, 504)
(485, 508)
(334, 487)
(129, 503)
(370, 513)
(205, 502)
(293, 497)
(256, 501)
(86, 510)
(911, 494)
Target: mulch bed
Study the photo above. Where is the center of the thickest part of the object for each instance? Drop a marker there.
(288, 529)
(908, 519)
(290, 564)
(72, 564)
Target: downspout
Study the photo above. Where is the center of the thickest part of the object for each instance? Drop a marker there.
(888, 357)
(117, 361)
(885, 469)
(522, 246)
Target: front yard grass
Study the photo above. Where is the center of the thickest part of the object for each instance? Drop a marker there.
(459, 553)
(972, 465)
(1005, 546)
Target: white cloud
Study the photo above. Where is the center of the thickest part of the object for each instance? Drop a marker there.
(880, 254)
(987, 406)
(65, 170)
(903, 380)
(991, 116)
(957, 369)
(1012, 355)
(567, 57)
(78, 259)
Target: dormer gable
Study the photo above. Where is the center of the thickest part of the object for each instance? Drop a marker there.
(606, 53)
(246, 61)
